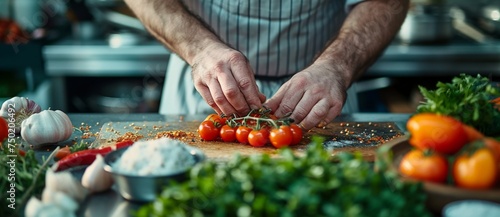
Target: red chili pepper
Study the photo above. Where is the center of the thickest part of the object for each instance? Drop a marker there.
(86, 157)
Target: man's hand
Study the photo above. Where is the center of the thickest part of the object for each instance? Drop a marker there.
(313, 96)
(221, 75)
(225, 80)
(318, 93)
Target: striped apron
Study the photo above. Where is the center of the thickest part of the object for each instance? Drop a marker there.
(279, 38)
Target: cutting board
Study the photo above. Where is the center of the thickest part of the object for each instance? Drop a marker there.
(364, 137)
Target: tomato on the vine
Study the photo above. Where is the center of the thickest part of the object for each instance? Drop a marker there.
(208, 131)
(440, 133)
(296, 134)
(273, 117)
(476, 170)
(242, 134)
(424, 166)
(227, 133)
(258, 138)
(281, 137)
(4, 129)
(217, 119)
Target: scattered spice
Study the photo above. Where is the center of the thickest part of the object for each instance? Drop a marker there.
(359, 135)
(176, 134)
(129, 136)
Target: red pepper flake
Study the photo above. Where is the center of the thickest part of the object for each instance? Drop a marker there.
(176, 134)
(129, 136)
(137, 128)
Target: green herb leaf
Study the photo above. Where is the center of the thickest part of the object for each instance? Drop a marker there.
(316, 184)
(467, 99)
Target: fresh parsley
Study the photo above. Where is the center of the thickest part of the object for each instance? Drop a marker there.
(467, 99)
(29, 178)
(312, 185)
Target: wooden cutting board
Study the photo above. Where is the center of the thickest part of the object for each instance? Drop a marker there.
(364, 137)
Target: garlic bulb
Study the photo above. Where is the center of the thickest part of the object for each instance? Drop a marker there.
(19, 108)
(95, 179)
(46, 127)
(64, 182)
(32, 207)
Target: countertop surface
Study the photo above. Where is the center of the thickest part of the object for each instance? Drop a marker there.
(73, 58)
(98, 119)
(111, 204)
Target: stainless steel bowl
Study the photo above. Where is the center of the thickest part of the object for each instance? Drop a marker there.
(145, 188)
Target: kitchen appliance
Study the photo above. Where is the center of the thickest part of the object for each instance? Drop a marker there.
(426, 23)
(120, 21)
(490, 18)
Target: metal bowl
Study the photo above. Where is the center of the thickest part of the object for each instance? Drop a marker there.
(138, 188)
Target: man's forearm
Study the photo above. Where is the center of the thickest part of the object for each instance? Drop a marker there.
(173, 25)
(367, 30)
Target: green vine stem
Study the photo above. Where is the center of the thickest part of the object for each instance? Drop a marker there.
(27, 194)
(264, 114)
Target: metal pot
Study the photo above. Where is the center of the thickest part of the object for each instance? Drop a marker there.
(490, 19)
(117, 14)
(426, 24)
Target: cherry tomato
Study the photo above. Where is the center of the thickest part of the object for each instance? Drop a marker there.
(258, 138)
(218, 120)
(208, 131)
(227, 133)
(273, 117)
(440, 133)
(281, 137)
(422, 166)
(477, 170)
(4, 129)
(242, 134)
(296, 134)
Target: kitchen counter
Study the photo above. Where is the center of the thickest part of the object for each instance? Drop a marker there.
(68, 59)
(97, 58)
(109, 203)
(96, 120)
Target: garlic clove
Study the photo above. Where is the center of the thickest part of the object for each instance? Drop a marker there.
(65, 182)
(95, 178)
(60, 199)
(32, 207)
(51, 210)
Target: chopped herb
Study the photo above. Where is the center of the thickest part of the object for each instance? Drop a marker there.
(468, 99)
(79, 146)
(29, 179)
(312, 185)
